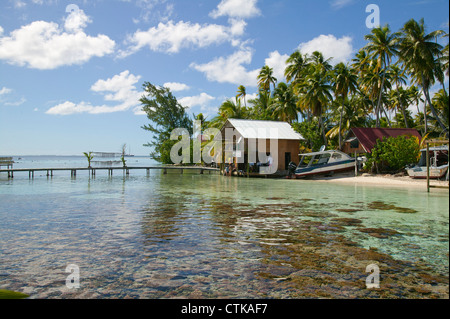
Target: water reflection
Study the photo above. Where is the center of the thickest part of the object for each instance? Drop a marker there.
(213, 237)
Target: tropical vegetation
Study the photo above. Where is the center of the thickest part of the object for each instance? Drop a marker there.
(390, 82)
(392, 154)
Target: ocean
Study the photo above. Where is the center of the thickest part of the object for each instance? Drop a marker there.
(209, 236)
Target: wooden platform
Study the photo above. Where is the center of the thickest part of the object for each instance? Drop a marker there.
(93, 170)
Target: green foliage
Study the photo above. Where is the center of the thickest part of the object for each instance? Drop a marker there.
(392, 154)
(89, 157)
(311, 134)
(164, 151)
(122, 158)
(7, 294)
(165, 114)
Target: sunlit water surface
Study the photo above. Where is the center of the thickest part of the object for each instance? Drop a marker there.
(208, 236)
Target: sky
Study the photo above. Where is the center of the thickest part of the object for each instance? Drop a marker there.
(72, 71)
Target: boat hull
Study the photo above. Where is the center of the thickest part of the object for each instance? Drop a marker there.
(421, 172)
(326, 169)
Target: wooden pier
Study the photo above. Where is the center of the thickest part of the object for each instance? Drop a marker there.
(93, 170)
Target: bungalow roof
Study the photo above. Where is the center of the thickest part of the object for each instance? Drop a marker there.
(264, 129)
(368, 137)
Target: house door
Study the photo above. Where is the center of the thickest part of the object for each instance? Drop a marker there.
(287, 160)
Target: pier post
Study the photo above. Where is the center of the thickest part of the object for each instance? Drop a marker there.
(148, 172)
(428, 167)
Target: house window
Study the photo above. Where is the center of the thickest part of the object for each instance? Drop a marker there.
(354, 143)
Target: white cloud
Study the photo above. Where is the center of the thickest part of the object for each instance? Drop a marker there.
(171, 37)
(5, 90)
(277, 62)
(120, 88)
(341, 50)
(10, 100)
(337, 4)
(236, 9)
(230, 69)
(175, 87)
(45, 45)
(1, 30)
(16, 103)
(18, 4)
(159, 10)
(76, 21)
(198, 100)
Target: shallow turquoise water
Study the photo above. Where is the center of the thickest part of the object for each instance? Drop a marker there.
(188, 235)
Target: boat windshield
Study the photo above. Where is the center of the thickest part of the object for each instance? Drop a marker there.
(314, 160)
(305, 160)
(322, 159)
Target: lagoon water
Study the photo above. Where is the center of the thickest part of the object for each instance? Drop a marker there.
(209, 236)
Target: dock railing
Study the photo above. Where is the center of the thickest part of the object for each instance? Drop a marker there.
(93, 170)
(8, 162)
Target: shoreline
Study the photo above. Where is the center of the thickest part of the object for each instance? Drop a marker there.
(385, 180)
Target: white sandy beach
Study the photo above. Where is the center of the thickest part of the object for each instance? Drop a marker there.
(385, 180)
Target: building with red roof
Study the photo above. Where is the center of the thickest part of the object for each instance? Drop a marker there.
(363, 139)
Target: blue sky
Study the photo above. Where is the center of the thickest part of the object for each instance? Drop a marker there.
(71, 71)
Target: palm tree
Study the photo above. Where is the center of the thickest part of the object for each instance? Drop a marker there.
(262, 106)
(361, 62)
(370, 85)
(241, 92)
(352, 114)
(318, 61)
(398, 99)
(382, 46)
(89, 158)
(440, 100)
(233, 109)
(285, 104)
(266, 78)
(444, 58)
(315, 94)
(344, 83)
(296, 66)
(419, 53)
(398, 77)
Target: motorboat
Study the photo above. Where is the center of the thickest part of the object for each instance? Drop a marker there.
(438, 163)
(323, 162)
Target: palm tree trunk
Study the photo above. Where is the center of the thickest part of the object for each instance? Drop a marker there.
(340, 127)
(380, 96)
(387, 117)
(425, 115)
(427, 96)
(323, 130)
(404, 114)
(402, 107)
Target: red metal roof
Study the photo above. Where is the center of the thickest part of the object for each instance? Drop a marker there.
(368, 137)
